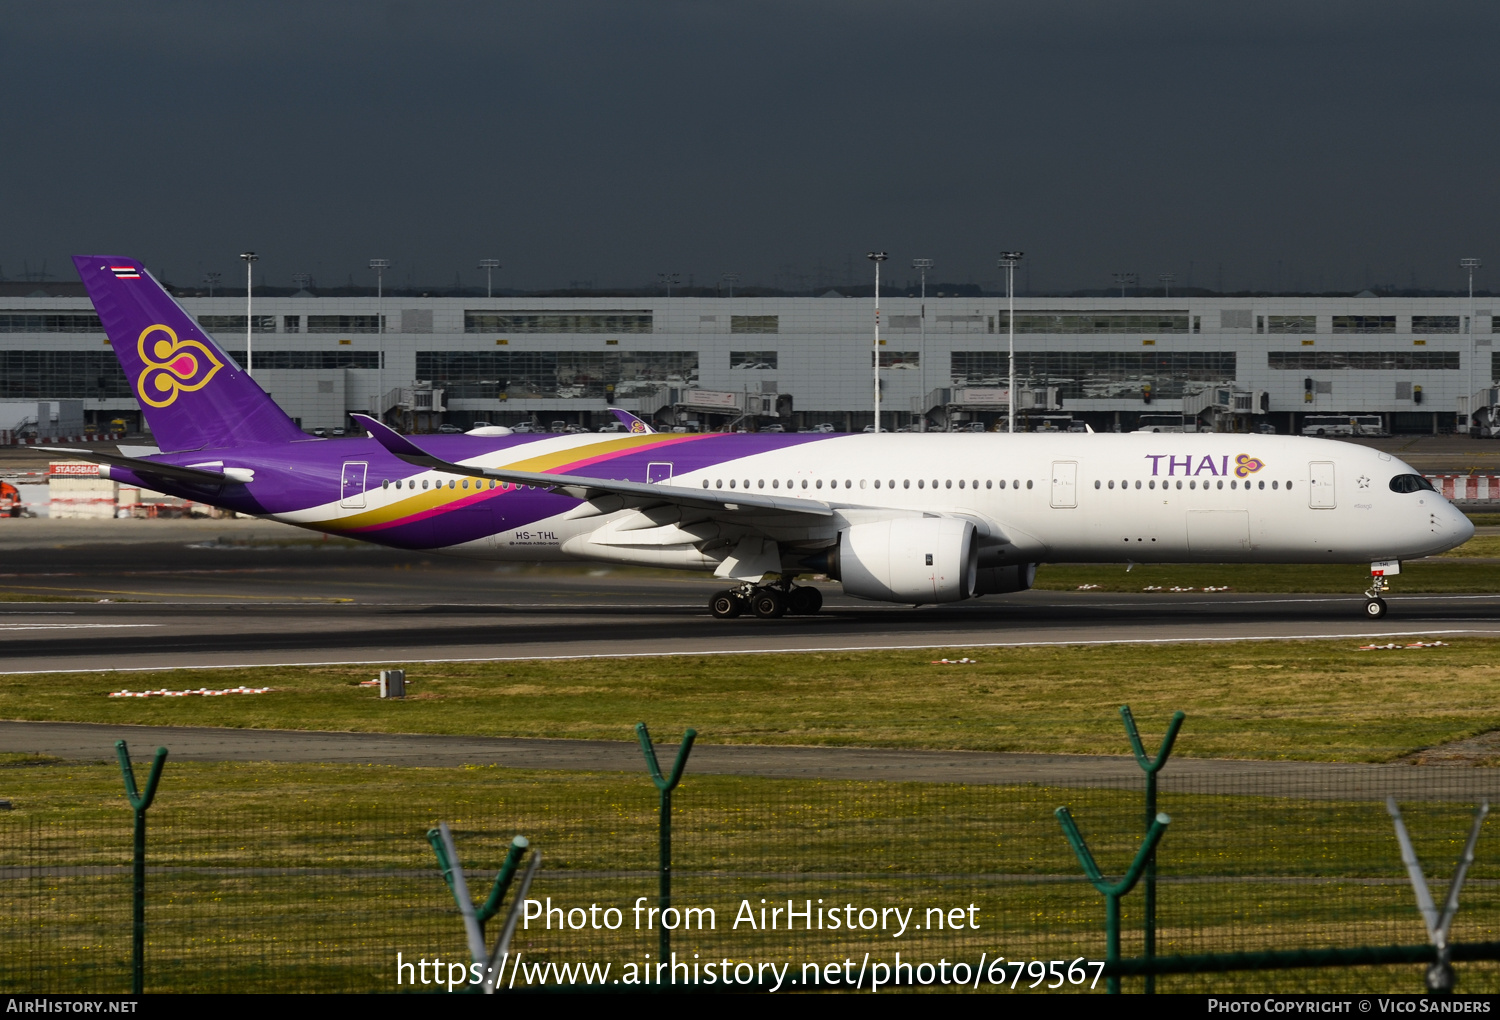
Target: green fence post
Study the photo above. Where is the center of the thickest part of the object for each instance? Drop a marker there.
(1112, 893)
(1151, 768)
(139, 803)
(664, 856)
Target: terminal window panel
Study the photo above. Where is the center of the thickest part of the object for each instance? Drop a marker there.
(1095, 322)
(1364, 324)
(42, 321)
(236, 323)
(1302, 361)
(522, 321)
(303, 360)
(1096, 375)
(556, 374)
(1434, 324)
(1291, 324)
(754, 323)
(752, 359)
(898, 359)
(340, 323)
(50, 375)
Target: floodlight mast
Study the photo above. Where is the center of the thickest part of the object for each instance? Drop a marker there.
(380, 266)
(489, 266)
(1009, 260)
(877, 257)
(1166, 283)
(921, 266)
(731, 279)
(250, 259)
(1471, 265)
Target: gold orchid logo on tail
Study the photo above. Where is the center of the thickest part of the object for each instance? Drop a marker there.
(173, 366)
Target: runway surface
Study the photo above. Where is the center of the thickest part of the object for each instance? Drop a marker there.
(94, 742)
(174, 594)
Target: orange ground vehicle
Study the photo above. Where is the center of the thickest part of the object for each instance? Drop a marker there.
(10, 500)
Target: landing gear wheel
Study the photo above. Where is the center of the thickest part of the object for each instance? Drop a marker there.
(768, 604)
(1375, 608)
(726, 604)
(804, 601)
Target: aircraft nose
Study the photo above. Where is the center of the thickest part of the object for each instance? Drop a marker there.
(1461, 528)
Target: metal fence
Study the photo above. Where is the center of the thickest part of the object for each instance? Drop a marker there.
(296, 893)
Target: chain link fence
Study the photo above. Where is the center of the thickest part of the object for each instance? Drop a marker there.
(270, 892)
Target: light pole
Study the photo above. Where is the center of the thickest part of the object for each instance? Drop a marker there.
(1125, 278)
(302, 280)
(1009, 260)
(731, 279)
(380, 266)
(921, 266)
(250, 259)
(1471, 265)
(877, 257)
(1166, 284)
(667, 280)
(489, 266)
(212, 279)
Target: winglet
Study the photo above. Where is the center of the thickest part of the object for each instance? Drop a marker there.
(634, 424)
(392, 440)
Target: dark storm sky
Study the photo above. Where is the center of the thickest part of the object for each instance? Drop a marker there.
(1355, 142)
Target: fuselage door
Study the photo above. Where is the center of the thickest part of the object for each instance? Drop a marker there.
(659, 472)
(1064, 483)
(352, 484)
(1320, 495)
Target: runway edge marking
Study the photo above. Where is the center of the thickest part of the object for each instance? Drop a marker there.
(759, 651)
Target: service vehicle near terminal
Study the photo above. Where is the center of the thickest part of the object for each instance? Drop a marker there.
(902, 518)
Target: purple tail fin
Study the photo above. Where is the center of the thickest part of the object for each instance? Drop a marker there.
(193, 395)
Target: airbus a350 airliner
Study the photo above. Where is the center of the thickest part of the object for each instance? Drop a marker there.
(894, 517)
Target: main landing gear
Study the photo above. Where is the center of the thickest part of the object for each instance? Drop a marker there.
(769, 602)
(1374, 604)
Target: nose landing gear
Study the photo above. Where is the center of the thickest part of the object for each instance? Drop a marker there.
(769, 602)
(1375, 605)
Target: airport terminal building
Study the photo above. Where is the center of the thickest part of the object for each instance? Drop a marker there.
(1227, 363)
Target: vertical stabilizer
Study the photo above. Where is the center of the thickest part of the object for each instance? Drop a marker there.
(193, 395)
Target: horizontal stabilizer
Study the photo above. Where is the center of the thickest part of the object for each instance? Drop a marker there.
(583, 487)
(631, 422)
(199, 476)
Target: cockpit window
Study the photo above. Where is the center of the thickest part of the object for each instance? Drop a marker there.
(1411, 483)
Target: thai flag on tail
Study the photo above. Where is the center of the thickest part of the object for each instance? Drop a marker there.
(125, 272)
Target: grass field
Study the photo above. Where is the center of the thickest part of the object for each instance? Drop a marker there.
(1321, 700)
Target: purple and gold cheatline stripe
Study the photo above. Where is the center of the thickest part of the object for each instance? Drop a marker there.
(430, 503)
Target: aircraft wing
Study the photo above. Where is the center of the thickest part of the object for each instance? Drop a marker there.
(196, 475)
(583, 487)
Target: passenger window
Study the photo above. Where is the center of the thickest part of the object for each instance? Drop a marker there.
(1289, 486)
(1179, 483)
(848, 484)
(906, 483)
(385, 483)
(960, 483)
(1221, 483)
(1152, 483)
(1016, 484)
(804, 483)
(1275, 484)
(862, 483)
(731, 483)
(1233, 484)
(947, 485)
(1096, 484)
(975, 485)
(424, 483)
(818, 484)
(1029, 483)
(747, 483)
(776, 483)
(1262, 485)
(989, 483)
(466, 483)
(921, 483)
(1002, 483)
(1137, 483)
(877, 483)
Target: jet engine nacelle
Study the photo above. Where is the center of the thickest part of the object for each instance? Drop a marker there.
(910, 559)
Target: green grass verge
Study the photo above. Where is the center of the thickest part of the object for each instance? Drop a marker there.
(1321, 700)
